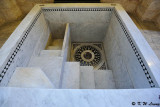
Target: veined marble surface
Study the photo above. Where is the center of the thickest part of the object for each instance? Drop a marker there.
(149, 57)
(25, 97)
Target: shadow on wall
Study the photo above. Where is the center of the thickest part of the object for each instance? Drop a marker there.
(12, 10)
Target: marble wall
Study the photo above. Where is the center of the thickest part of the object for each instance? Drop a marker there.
(27, 40)
(114, 56)
(66, 44)
(42, 30)
(83, 24)
(66, 48)
(122, 59)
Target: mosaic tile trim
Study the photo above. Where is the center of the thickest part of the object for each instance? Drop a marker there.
(103, 67)
(79, 9)
(10, 60)
(75, 45)
(90, 49)
(135, 51)
(98, 45)
(88, 54)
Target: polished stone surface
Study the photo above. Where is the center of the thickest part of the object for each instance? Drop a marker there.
(149, 58)
(19, 97)
(23, 49)
(51, 67)
(87, 77)
(50, 53)
(71, 76)
(104, 79)
(30, 78)
(91, 23)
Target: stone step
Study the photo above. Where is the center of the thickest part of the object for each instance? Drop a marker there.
(29, 78)
(57, 42)
(50, 53)
(71, 76)
(104, 79)
(51, 67)
(56, 45)
(53, 48)
(87, 77)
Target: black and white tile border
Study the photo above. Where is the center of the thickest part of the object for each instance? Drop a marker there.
(79, 9)
(135, 51)
(103, 67)
(98, 45)
(17, 49)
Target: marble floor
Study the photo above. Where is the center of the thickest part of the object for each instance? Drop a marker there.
(150, 32)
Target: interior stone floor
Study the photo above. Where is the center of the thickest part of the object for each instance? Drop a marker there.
(148, 29)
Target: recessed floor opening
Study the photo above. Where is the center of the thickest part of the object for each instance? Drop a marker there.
(89, 54)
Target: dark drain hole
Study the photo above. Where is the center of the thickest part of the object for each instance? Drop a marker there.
(87, 55)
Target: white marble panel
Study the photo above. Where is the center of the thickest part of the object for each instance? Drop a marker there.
(77, 16)
(87, 77)
(57, 29)
(83, 24)
(121, 57)
(18, 97)
(28, 48)
(115, 60)
(71, 76)
(21, 56)
(88, 32)
(50, 53)
(149, 58)
(104, 79)
(29, 78)
(51, 67)
(43, 34)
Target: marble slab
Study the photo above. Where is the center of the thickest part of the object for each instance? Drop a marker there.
(150, 59)
(51, 67)
(18, 97)
(50, 53)
(71, 76)
(87, 77)
(104, 79)
(30, 78)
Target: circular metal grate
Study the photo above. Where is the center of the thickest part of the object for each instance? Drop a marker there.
(88, 55)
